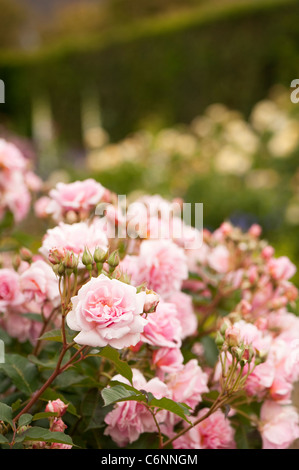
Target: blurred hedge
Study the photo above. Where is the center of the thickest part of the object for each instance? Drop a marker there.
(170, 68)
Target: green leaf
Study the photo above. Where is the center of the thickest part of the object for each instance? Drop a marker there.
(179, 409)
(121, 393)
(33, 316)
(6, 414)
(41, 434)
(52, 335)
(44, 414)
(22, 373)
(121, 366)
(3, 440)
(25, 419)
(211, 350)
(46, 364)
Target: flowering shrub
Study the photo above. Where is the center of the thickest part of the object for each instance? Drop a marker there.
(145, 338)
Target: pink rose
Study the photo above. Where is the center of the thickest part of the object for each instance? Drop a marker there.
(56, 406)
(10, 294)
(163, 328)
(75, 238)
(219, 259)
(129, 419)
(80, 197)
(185, 313)
(107, 311)
(41, 207)
(18, 326)
(188, 384)
(58, 425)
(279, 425)
(281, 268)
(167, 360)
(215, 432)
(39, 283)
(163, 266)
(10, 156)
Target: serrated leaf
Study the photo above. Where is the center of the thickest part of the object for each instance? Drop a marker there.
(25, 419)
(121, 366)
(179, 409)
(22, 373)
(6, 414)
(41, 434)
(120, 393)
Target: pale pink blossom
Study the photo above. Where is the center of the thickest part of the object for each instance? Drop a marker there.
(80, 197)
(167, 360)
(10, 156)
(281, 268)
(75, 237)
(188, 384)
(10, 293)
(107, 311)
(279, 425)
(41, 207)
(129, 419)
(163, 266)
(214, 432)
(56, 406)
(39, 283)
(219, 259)
(163, 327)
(185, 313)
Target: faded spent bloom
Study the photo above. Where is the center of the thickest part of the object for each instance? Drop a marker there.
(56, 406)
(107, 311)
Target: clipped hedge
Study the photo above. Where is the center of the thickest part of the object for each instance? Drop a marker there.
(170, 68)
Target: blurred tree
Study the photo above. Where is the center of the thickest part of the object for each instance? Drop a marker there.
(13, 19)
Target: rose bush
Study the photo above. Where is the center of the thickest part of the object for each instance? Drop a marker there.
(151, 340)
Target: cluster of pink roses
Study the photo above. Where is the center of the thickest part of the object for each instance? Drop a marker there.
(165, 290)
(32, 288)
(16, 182)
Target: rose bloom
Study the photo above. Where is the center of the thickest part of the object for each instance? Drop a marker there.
(167, 360)
(39, 283)
(214, 432)
(10, 156)
(279, 425)
(163, 266)
(185, 313)
(80, 197)
(163, 328)
(188, 384)
(281, 268)
(10, 294)
(75, 238)
(16, 196)
(129, 419)
(56, 406)
(107, 311)
(219, 258)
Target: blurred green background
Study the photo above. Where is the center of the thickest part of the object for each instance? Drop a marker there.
(188, 98)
